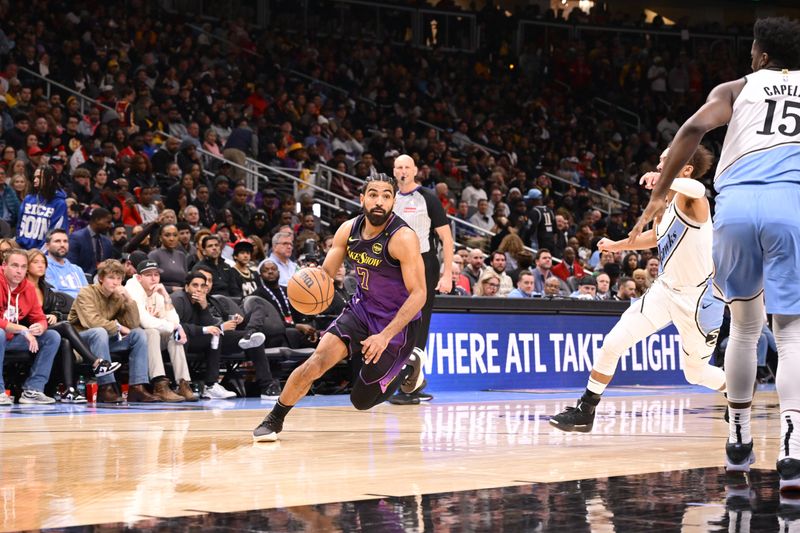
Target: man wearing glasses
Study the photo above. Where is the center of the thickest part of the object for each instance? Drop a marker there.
(282, 246)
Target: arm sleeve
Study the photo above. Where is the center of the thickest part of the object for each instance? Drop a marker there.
(435, 209)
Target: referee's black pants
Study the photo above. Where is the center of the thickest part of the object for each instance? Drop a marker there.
(431, 262)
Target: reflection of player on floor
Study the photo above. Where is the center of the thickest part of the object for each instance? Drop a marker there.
(681, 294)
(381, 320)
(756, 234)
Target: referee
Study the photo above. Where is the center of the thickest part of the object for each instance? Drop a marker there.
(421, 209)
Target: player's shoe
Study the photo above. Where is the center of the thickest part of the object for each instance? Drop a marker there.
(401, 398)
(739, 456)
(576, 419)
(268, 429)
(414, 380)
(789, 471)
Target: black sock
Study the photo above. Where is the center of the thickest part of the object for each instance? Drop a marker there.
(590, 398)
(280, 411)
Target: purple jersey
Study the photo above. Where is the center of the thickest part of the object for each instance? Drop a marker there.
(381, 290)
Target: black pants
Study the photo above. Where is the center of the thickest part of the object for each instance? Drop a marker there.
(70, 340)
(366, 396)
(431, 263)
(229, 343)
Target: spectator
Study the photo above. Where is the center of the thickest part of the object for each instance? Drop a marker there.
(90, 246)
(498, 264)
(62, 275)
(603, 286)
(170, 257)
(524, 288)
(474, 192)
(224, 278)
(569, 266)
(147, 209)
(242, 212)
(488, 284)
(24, 327)
(246, 276)
(42, 210)
(456, 289)
(543, 270)
(236, 332)
(640, 279)
(629, 264)
(162, 327)
(281, 255)
(552, 288)
(482, 218)
(653, 265)
(587, 289)
(107, 318)
(475, 266)
(626, 289)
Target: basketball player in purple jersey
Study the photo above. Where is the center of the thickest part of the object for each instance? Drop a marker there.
(380, 322)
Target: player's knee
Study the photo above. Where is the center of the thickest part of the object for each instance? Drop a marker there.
(615, 343)
(361, 401)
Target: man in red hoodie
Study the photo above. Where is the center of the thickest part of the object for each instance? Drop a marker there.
(25, 328)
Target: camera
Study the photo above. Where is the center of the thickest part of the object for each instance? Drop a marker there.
(310, 251)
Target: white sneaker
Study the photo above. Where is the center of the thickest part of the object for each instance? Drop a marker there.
(253, 341)
(35, 397)
(217, 392)
(6, 400)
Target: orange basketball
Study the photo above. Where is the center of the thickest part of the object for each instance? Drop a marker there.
(310, 291)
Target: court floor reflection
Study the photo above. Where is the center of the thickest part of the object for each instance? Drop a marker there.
(703, 499)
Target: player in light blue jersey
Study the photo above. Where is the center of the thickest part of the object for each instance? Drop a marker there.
(756, 247)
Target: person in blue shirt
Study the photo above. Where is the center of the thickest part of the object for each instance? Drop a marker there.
(42, 210)
(524, 288)
(64, 276)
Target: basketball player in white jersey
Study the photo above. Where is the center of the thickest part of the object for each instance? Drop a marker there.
(681, 294)
(756, 230)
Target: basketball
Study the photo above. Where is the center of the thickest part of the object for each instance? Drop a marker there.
(310, 291)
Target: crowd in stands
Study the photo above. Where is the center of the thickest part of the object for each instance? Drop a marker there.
(149, 179)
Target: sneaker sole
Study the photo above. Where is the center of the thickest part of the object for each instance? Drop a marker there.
(572, 429)
(35, 402)
(269, 437)
(114, 368)
(740, 467)
(255, 340)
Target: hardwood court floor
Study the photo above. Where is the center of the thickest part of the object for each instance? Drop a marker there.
(74, 465)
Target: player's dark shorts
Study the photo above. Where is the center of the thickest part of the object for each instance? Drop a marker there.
(353, 332)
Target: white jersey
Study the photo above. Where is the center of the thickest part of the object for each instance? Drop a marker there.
(762, 144)
(684, 247)
(423, 212)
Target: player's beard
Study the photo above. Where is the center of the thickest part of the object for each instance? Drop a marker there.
(377, 219)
